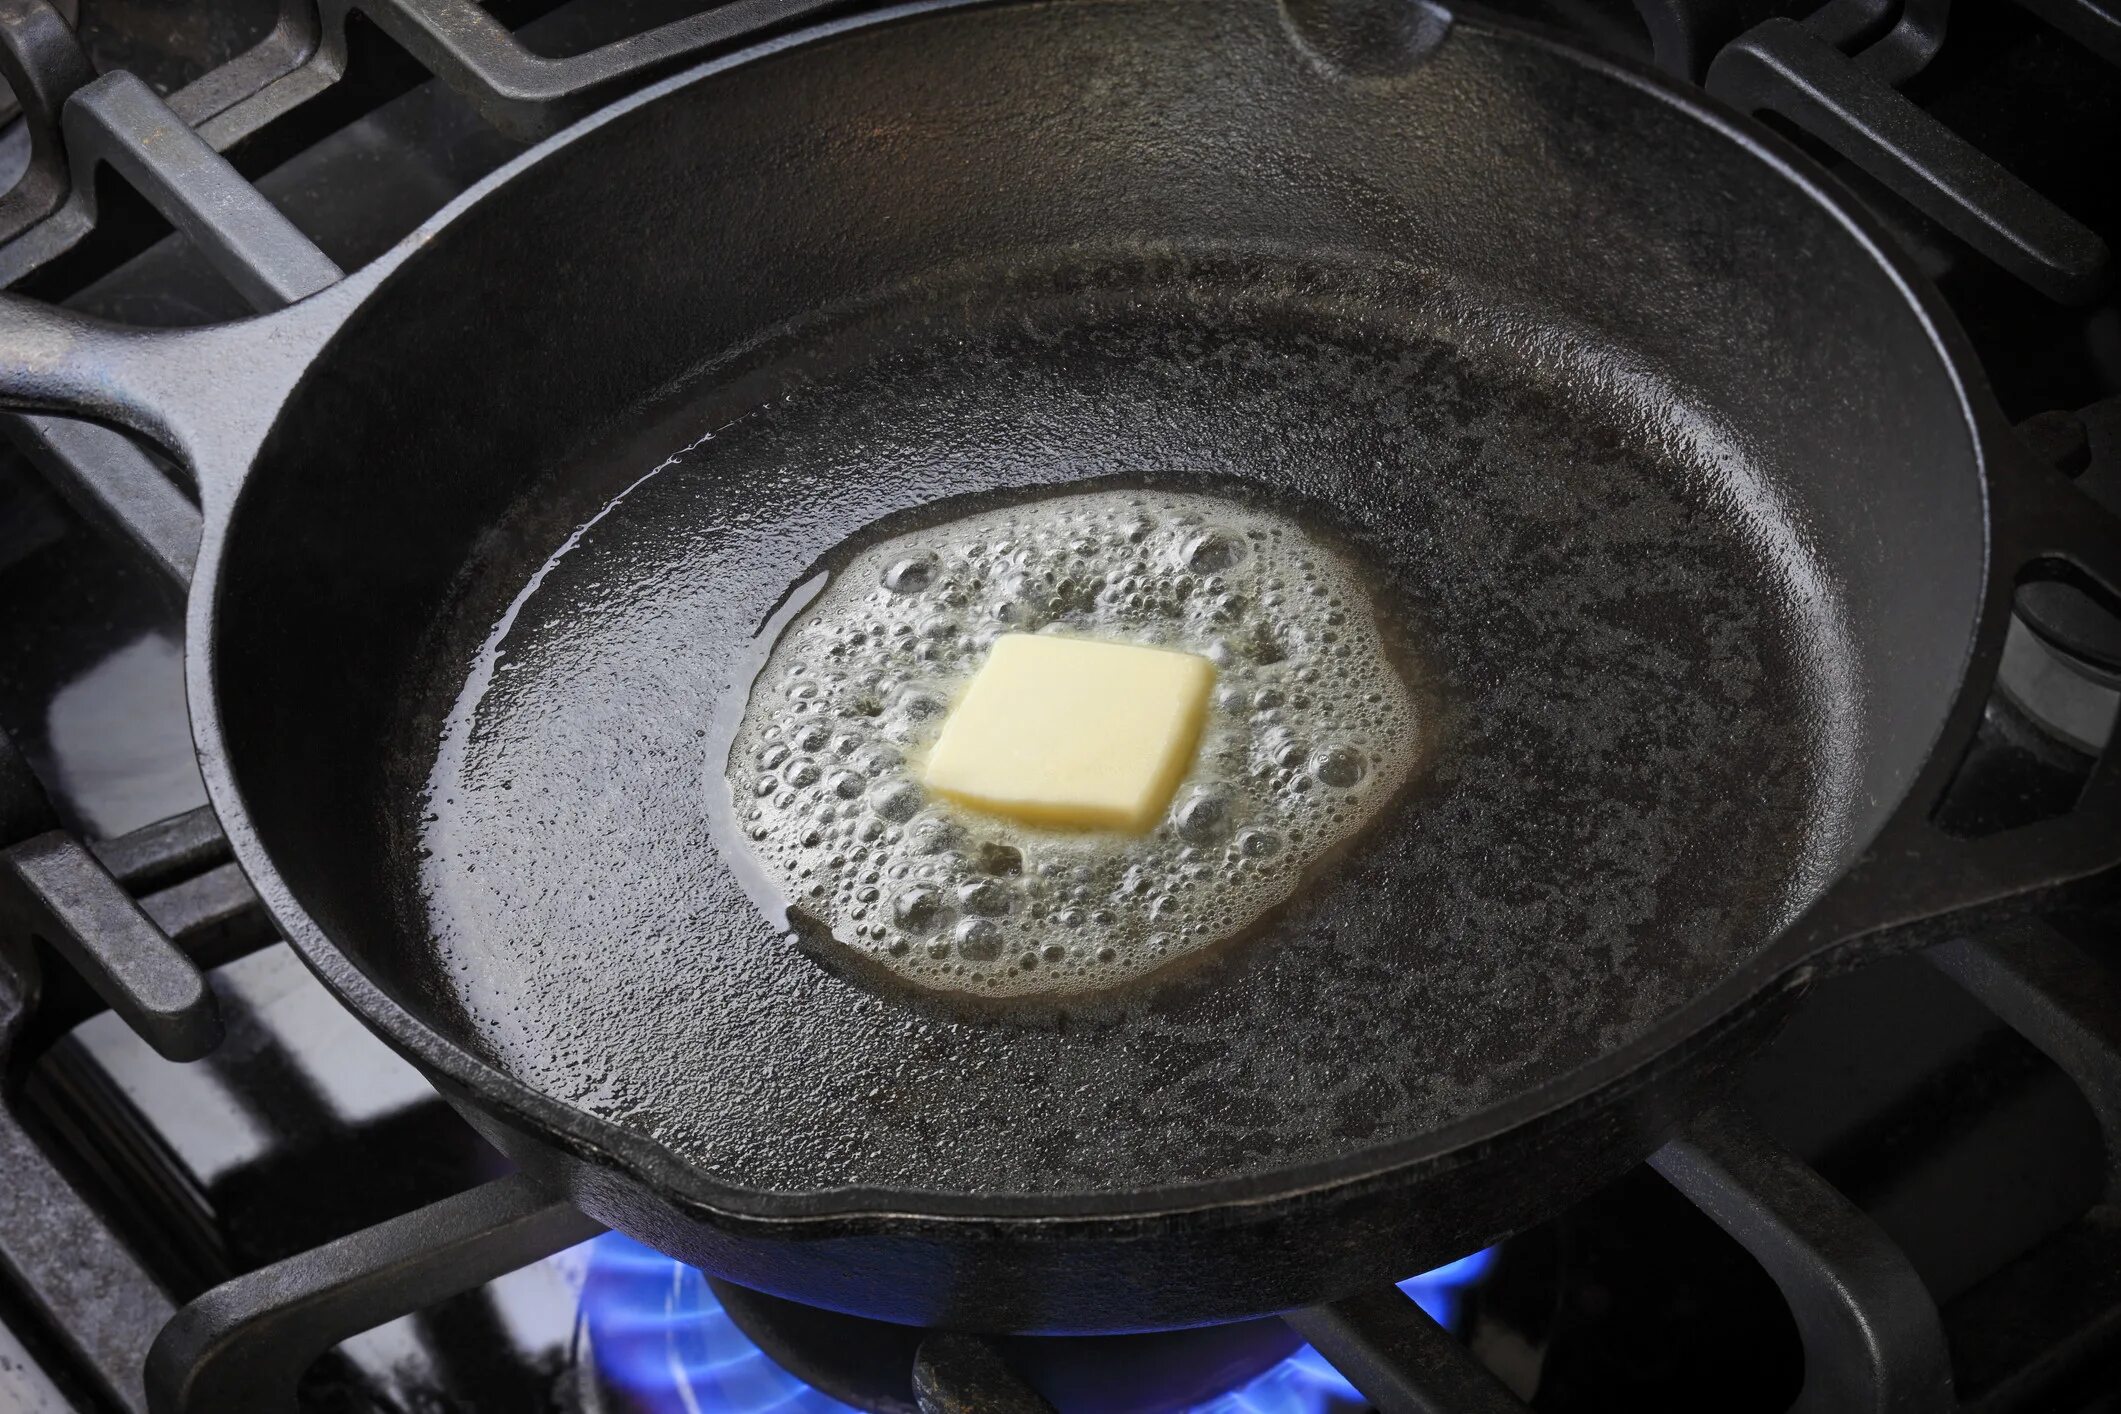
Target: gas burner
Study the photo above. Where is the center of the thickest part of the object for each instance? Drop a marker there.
(2062, 661)
(2069, 699)
(660, 1338)
(2062, 665)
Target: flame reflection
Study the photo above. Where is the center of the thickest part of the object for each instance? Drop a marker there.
(658, 1333)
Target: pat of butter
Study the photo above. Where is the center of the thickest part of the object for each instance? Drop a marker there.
(1073, 732)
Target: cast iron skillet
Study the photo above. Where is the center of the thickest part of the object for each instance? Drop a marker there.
(1699, 530)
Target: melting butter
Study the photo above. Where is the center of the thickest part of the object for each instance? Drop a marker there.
(1309, 731)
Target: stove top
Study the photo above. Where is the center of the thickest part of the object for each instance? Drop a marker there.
(1910, 1201)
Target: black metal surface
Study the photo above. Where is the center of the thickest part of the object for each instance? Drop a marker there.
(1782, 67)
(2096, 24)
(671, 311)
(57, 892)
(514, 85)
(2045, 1326)
(244, 1344)
(1907, 48)
(1685, 35)
(2053, 993)
(91, 1293)
(24, 810)
(2090, 454)
(965, 1374)
(119, 121)
(530, 94)
(162, 852)
(83, 1282)
(118, 486)
(1402, 1361)
(43, 65)
(1872, 1338)
(139, 918)
(510, 79)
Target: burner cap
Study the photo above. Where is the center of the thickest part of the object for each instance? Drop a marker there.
(2085, 446)
(869, 1364)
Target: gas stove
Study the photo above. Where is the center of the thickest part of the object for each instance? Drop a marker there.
(1910, 1201)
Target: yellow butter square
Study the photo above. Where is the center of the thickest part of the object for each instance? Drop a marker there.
(1073, 732)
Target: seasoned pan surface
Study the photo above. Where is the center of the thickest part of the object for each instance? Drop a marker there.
(1634, 672)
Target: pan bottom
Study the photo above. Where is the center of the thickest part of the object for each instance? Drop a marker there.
(1639, 674)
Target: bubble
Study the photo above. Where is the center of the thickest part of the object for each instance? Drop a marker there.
(811, 736)
(1212, 551)
(897, 802)
(1337, 766)
(933, 835)
(987, 896)
(877, 759)
(847, 785)
(919, 705)
(999, 859)
(1020, 599)
(800, 772)
(978, 939)
(773, 755)
(1258, 844)
(1204, 814)
(910, 575)
(919, 909)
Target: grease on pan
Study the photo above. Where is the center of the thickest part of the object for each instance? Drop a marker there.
(1310, 732)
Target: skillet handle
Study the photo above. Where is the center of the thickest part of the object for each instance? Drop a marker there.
(1918, 884)
(191, 391)
(55, 360)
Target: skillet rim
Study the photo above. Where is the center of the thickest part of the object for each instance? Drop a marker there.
(1784, 965)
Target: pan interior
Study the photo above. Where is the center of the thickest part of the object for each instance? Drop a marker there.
(1641, 445)
(1638, 772)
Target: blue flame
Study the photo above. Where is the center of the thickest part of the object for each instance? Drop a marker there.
(658, 1332)
(1302, 1384)
(1437, 1292)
